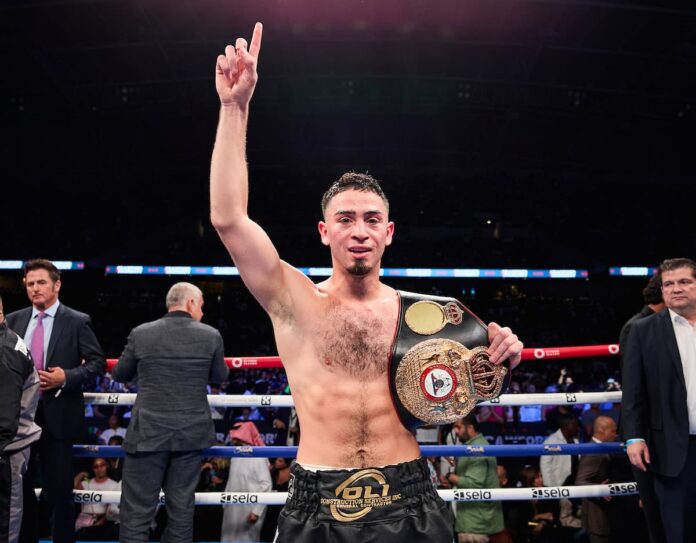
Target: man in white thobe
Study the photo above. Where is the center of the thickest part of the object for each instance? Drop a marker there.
(243, 522)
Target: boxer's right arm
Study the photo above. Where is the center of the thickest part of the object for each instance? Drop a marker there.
(248, 244)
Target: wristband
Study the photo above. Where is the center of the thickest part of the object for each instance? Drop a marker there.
(636, 440)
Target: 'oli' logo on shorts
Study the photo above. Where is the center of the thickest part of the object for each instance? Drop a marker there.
(353, 501)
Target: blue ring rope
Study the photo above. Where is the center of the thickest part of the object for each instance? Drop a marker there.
(113, 451)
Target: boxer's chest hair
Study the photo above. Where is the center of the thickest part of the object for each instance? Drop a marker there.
(356, 342)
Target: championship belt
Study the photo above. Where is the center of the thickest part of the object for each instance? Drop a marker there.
(440, 367)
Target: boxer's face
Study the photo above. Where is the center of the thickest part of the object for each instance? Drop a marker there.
(679, 290)
(357, 229)
(41, 289)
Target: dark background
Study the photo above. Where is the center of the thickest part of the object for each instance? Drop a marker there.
(567, 124)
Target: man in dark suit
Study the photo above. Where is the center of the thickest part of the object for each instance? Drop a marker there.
(652, 296)
(67, 355)
(659, 398)
(593, 469)
(173, 358)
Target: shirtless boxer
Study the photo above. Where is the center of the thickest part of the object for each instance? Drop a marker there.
(358, 473)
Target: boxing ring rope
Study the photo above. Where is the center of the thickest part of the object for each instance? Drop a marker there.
(457, 495)
(114, 451)
(532, 353)
(250, 400)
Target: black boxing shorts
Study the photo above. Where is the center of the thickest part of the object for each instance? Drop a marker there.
(390, 504)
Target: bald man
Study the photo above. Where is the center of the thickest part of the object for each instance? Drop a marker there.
(593, 470)
(173, 358)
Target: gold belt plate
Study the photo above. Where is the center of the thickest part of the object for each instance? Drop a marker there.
(440, 380)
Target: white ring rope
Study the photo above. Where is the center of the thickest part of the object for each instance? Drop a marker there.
(458, 495)
(232, 400)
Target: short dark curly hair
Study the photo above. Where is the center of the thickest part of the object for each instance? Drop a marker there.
(353, 181)
(652, 293)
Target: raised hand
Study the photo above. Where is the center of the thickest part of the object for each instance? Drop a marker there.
(235, 71)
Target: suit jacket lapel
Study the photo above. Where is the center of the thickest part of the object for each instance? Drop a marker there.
(672, 347)
(58, 325)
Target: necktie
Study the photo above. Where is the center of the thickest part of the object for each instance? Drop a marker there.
(37, 343)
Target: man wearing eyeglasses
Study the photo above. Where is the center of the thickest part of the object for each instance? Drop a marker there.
(659, 398)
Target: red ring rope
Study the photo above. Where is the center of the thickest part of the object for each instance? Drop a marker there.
(538, 353)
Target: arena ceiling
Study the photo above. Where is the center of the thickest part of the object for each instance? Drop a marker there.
(562, 121)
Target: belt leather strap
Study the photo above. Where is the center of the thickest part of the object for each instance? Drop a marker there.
(439, 368)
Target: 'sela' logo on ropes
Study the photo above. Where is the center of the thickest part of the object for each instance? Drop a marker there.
(550, 492)
(88, 497)
(472, 495)
(618, 489)
(236, 497)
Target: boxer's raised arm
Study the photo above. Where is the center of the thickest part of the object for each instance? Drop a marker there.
(251, 249)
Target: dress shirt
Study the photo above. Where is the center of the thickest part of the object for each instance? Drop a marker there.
(686, 342)
(47, 326)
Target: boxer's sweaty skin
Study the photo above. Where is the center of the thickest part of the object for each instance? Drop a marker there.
(339, 381)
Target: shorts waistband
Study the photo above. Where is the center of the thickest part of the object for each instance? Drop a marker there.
(409, 476)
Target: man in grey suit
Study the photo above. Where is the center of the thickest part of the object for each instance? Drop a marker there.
(173, 358)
